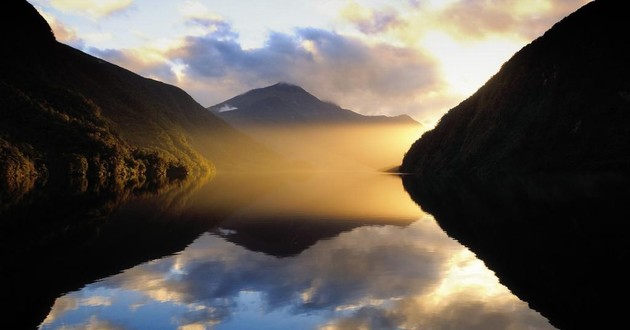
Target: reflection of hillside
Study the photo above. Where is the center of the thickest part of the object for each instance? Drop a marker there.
(56, 241)
(558, 243)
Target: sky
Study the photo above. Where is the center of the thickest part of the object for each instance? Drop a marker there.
(415, 57)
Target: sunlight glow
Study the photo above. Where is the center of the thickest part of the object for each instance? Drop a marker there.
(179, 70)
(466, 273)
(532, 7)
(466, 66)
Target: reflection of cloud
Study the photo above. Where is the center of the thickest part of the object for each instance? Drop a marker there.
(457, 314)
(62, 305)
(373, 277)
(93, 8)
(96, 301)
(69, 303)
(92, 324)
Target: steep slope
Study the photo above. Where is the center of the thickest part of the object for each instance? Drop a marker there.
(562, 103)
(66, 112)
(323, 135)
(285, 103)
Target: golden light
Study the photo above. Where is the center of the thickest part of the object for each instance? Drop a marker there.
(466, 274)
(466, 66)
(94, 8)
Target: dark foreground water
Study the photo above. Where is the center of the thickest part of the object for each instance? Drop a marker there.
(299, 251)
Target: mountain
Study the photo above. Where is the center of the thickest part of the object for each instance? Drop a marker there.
(66, 113)
(318, 134)
(562, 103)
(285, 103)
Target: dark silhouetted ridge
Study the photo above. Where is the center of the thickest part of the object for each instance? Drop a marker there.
(66, 113)
(531, 171)
(562, 103)
(22, 27)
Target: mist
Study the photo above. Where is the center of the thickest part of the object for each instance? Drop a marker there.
(332, 146)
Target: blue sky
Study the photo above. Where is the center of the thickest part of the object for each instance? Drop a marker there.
(374, 57)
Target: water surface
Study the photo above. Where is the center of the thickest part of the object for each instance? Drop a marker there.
(301, 251)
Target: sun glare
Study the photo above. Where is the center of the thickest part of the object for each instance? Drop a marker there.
(466, 66)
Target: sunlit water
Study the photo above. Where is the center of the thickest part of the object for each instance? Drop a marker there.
(390, 267)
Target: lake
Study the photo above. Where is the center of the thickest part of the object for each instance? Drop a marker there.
(280, 251)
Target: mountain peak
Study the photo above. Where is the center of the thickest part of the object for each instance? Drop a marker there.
(285, 103)
(283, 84)
(284, 87)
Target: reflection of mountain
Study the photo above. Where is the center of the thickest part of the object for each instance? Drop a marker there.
(285, 236)
(307, 208)
(561, 103)
(64, 112)
(558, 243)
(300, 126)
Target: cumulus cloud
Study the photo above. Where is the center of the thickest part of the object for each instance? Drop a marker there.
(144, 61)
(370, 21)
(93, 8)
(346, 70)
(479, 19)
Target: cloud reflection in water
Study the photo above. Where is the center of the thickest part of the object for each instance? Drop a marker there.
(384, 277)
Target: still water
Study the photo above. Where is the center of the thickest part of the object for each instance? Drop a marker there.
(307, 251)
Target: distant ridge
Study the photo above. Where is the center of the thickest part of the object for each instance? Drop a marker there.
(285, 103)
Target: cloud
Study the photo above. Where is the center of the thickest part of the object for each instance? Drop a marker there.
(146, 62)
(62, 33)
(93, 8)
(395, 63)
(346, 70)
(474, 19)
(370, 21)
